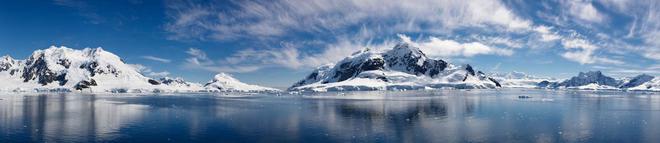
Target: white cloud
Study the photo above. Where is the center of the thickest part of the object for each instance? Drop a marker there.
(158, 74)
(153, 58)
(652, 53)
(546, 33)
(584, 10)
(198, 57)
(199, 60)
(265, 19)
(582, 51)
(436, 47)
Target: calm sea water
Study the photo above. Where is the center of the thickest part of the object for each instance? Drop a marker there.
(426, 116)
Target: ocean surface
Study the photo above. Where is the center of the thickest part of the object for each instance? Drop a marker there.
(512, 115)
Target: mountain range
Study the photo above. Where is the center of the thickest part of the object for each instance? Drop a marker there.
(403, 67)
(596, 80)
(61, 69)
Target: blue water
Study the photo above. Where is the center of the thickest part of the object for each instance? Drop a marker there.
(414, 116)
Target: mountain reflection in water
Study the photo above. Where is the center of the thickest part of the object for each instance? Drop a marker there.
(421, 116)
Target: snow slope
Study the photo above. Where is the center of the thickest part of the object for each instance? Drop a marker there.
(403, 67)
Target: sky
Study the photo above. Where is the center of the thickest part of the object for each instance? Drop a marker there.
(278, 42)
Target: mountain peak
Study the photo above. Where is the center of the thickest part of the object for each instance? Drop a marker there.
(225, 82)
(406, 49)
(7, 58)
(590, 74)
(584, 79)
(6, 63)
(224, 77)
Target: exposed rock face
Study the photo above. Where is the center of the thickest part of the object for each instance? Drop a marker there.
(36, 68)
(153, 82)
(591, 78)
(6, 63)
(85, 84)
(547, 84)
(174, 81)
(596, 77)
(403, 66)
(407, 59)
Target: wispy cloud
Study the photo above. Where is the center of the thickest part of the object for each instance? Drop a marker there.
(583, 10)
(580, 31)
(153, 58)
(198, 60)
(290, 54)
(266, 19)
(158, 74)
(148, 72)
(583, 52)
(436, 47)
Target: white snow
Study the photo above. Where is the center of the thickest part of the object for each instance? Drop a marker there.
(594, 86)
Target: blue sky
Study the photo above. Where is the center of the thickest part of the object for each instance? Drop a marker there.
(278, 42)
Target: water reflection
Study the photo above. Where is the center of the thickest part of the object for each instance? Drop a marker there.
(438, 116)
(62, 118)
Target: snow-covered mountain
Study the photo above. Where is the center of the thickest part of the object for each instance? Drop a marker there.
(636, 81)
(643, 83)
(585, 80)
(61, 69)
(596, 80)
(223, 82)
(518, 79)
(404, 67)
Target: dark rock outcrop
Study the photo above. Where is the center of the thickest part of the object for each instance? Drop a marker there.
(153, 82)
(85, 84)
